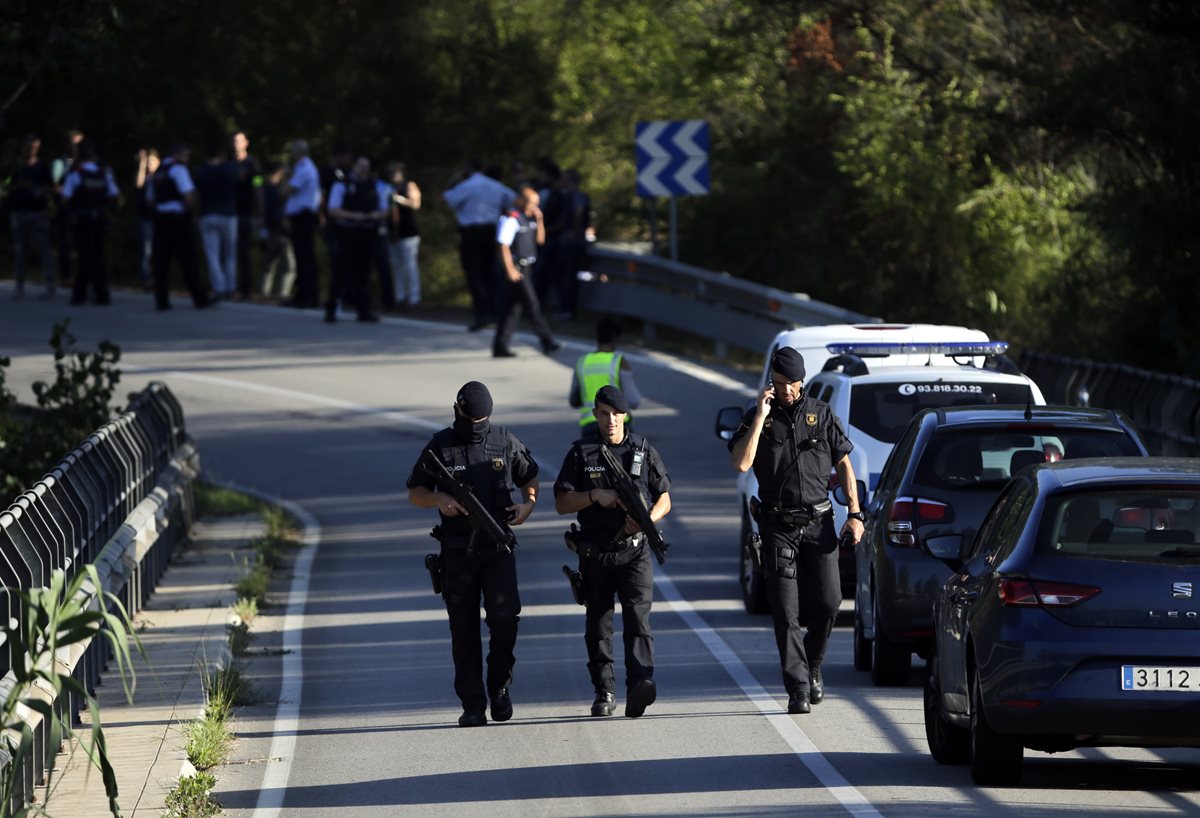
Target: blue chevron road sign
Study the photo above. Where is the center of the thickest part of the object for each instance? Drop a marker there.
(672, 158)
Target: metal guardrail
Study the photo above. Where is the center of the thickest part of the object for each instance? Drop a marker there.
(718, 306)
(121, 501)
(1165, 408)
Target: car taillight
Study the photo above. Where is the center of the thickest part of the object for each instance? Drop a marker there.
(1032, 593)
(907, 511)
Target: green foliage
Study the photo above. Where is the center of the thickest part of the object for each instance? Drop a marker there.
(216, 501)
(192, 797)
(246, 610)
(255, 580)
(209, 743)
(52, 618)
(75, 404)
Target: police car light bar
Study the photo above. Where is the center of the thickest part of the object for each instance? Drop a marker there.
(882, 349)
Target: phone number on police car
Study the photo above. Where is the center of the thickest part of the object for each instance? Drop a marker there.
(920, 388)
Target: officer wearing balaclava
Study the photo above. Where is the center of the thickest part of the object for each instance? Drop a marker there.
(493, 463)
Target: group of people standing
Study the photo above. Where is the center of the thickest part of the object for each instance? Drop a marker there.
(520, 248)
(232, 201)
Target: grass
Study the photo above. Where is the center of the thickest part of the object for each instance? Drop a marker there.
(192, 797)
(209, 743)
(255, 581)
(239, 638)
(246, 611)
(215, 501)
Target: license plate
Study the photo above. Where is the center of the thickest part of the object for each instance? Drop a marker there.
(1178, 679)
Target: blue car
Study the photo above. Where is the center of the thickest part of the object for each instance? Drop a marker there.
(1073, 619)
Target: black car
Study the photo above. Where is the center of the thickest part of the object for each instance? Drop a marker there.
(942, 477)
(1073, 619)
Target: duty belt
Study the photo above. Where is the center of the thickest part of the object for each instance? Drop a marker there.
(455, 542)
(798, 515)
(586, 549)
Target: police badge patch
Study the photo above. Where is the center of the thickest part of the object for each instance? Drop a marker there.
(811, 419)
(498, 463)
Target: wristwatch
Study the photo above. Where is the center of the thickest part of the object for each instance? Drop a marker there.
(857, 515)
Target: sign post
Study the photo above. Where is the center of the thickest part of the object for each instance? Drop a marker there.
(672, 160)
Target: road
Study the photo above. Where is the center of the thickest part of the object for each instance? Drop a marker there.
(331, 418)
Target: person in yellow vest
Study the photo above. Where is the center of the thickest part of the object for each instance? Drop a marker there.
(595, 370)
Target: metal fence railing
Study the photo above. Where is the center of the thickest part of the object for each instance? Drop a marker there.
(121, 501)
(727, 310)
(1165, 408)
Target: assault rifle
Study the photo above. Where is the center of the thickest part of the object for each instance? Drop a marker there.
(477, 516)
(635, 503)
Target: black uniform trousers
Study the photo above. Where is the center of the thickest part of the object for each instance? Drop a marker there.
(521, 297)
(477, 250)
(629, 575)
(245, 239)
(810, 595)
(89, 239)
(352, 269)
(173, 238)
(303, 235)
(467, 575)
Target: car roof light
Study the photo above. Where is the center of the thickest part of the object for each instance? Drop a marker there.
(882, 349)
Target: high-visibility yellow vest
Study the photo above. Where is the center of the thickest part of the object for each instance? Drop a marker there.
(594, 371)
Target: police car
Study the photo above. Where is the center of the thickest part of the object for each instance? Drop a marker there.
(875, 377)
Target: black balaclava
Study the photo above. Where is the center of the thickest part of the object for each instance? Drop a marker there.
(472, 408)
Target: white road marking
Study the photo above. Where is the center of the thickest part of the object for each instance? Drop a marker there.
(287, 713)
(287, 716)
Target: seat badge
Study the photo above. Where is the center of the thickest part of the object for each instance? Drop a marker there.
(811, 419)
(498, 463)
(1181, 590)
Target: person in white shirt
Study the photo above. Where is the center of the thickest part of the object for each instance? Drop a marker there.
(358, 207)
(87, 191)
(519, 234)
(172, 194)
(303, 191)
(477, 201)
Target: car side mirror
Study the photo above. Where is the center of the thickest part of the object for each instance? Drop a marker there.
(839, 494)
(728, 420)
(947, 548)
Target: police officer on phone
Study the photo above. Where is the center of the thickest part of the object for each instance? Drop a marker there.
(613, 555)
(491, 462)
(792, 442)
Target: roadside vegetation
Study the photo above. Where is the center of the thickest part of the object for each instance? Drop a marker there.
(211, 737)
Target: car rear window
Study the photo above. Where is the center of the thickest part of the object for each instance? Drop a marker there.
(1143, 525)
(882, 410)
(981, 456)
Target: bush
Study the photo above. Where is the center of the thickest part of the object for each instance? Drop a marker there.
(192, 797)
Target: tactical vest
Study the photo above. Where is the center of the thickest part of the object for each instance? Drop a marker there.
(165, 189)
(599, 524)
(92, 193)
(592, 372)
(359, 197)
(524, 246)
(483, 467)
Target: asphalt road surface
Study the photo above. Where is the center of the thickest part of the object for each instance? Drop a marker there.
(358, 719)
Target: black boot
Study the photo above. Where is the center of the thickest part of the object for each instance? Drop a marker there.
(502, 709)
(640, 696)
(816, 687)
(472, 717)
(604, 705)
(798, 704)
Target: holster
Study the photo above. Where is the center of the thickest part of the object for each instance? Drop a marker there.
(576, 580)
(433, 564)
(755, 545)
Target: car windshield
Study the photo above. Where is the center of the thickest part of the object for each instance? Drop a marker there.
(988, 456)
(882, 410)
(1143, 525)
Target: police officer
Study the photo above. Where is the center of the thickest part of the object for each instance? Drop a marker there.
(358, 209)
(613, 555)
(792, 441)
(173, 194)
(604, 367)
(87, 192)
(491, 461)
(519, 234)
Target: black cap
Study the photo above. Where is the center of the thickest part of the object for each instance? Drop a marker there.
(789, 363)
(613, 397)
(474, 400)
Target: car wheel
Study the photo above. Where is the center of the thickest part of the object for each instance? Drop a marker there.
(890, 661)
(862, 645)
(995, 759)
(948, 744)
(754, 586)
